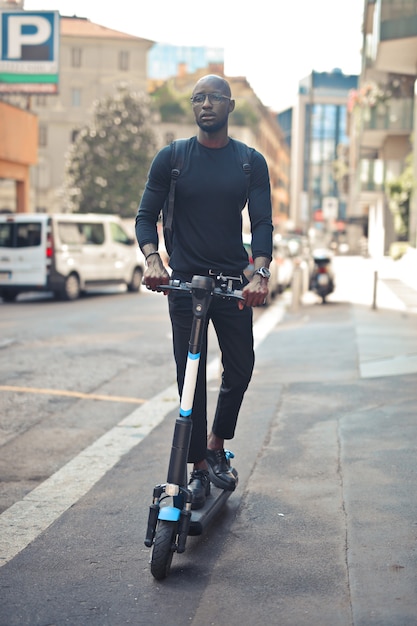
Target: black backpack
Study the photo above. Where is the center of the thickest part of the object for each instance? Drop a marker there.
(179, 154)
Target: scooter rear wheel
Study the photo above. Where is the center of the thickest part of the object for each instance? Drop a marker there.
(163, 549)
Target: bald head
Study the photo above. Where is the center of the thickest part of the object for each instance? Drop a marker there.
(212, 82)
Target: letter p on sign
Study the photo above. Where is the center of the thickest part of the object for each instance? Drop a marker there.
(28, 36)
(25, 30)
(29, 51)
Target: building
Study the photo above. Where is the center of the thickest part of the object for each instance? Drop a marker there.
(94, 60)
(18, 146)
(165, 59)
(316, 131)
(383, 122)
(18, 152)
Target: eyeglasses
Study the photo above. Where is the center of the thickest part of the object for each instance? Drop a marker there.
(214, 98)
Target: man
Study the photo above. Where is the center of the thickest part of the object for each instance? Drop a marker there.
(207, 240)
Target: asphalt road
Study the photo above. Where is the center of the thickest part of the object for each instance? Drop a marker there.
(69, 371)
(321, 530)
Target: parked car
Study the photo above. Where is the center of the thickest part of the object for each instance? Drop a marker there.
(300, 247)
(302, 255)
(284, 262)
(66, 254)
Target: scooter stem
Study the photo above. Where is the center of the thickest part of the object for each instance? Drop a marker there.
(201, 292)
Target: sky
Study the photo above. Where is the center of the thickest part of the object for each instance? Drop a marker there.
(273, 43)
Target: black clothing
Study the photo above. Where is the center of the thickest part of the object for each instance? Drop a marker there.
(207, 235)
(234, 332)
(209, 198)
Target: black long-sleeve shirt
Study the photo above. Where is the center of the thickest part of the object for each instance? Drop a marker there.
(209, 197)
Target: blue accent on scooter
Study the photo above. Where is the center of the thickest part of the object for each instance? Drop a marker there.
(169, 513)
(193, 357)
(185, 413)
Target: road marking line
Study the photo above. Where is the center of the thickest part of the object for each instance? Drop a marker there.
(24, 521)
(389, 366)
(72, 394)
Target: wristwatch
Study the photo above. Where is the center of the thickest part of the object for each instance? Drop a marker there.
(263, 271)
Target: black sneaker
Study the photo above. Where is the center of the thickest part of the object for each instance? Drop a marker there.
(199, 486)
(219, 470)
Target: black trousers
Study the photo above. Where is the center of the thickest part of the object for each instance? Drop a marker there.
(235, 336)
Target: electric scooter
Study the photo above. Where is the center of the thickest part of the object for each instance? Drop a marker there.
(171, 519)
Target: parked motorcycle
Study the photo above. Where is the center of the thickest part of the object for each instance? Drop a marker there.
(322, 279)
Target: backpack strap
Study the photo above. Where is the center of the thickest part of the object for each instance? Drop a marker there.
(245, 157)
(179, 149)
(179, 154)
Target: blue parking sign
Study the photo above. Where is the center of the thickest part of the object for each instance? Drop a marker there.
(29, 51)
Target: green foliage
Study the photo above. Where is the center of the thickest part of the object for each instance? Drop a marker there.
(244, 115)
(107, 165)
(398, 249)
(171, 111)
(399, 193)
(172, 106)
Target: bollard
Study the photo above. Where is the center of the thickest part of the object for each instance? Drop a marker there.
(296, 286)
(375, 290)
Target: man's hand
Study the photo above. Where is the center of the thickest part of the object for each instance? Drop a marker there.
(255, 292)
(155, 273)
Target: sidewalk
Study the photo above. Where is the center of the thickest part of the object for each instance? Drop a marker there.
(400, 276)
(405, 269)
(326, 529)
(382, 282)
(386, 341)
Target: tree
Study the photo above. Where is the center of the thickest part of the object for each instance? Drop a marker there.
(172, 105)
(399, 193)
(107, 164)
(244, 115)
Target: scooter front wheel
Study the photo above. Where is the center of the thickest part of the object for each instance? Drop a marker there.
(163, 549)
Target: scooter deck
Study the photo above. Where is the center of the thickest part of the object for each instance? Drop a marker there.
(201, 518)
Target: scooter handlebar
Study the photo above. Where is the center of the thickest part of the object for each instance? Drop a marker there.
(219, 292)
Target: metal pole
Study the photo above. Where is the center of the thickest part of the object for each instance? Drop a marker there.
(375, 290)
(296, 289)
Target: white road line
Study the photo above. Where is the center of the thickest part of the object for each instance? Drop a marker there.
(24, 521)
(390, 366)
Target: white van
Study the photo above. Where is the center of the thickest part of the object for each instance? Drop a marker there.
(66, 254)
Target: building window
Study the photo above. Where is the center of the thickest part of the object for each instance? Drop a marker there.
(76, 57)
(325, 125)
(43, 135)
(123, 60)
(76, 97)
